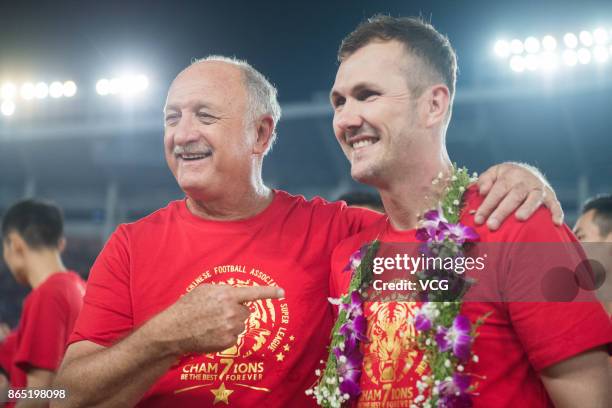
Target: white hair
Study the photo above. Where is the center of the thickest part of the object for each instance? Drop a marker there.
(262, 95)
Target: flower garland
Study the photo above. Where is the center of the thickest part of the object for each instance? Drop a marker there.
(443, 334)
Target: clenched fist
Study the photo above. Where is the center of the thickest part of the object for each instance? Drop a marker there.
(209, 318)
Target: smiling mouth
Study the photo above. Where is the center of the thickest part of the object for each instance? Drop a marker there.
(194, 156)
(362, 141)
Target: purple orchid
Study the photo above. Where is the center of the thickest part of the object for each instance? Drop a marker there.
(457, 337)
(349, 369)
(354, 307)
(453, 393)
(425, 317)
(458, 233)
(354, 332)
(430, 226)
(355, 259)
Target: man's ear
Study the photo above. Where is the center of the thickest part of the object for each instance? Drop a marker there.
(264, 128)
(17, 243)
(436, 103)
(61, 245)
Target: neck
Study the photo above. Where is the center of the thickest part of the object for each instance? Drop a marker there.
(406, 198)
(43, 264)
(233, 203)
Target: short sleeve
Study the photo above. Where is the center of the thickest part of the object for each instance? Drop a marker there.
(43, 330)
(355, 219)
(107, 316)
(551, 331)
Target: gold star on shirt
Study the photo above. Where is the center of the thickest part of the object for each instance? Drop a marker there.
(280, 357)
(291, 338)
(221, 394)
(286, 347)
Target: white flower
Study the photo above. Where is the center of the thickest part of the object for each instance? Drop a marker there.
(342, 359)
(455, 202)
(309, 392)
(461, 189)
(447, 363)
(334, 301)
(428, 341)
(318, 372)
(475, 358)
(454, 178)
(460, 368)
(450, 210)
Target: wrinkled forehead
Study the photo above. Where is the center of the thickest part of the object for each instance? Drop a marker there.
(211, 83)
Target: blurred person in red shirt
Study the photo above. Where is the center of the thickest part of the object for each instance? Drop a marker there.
(33, 240)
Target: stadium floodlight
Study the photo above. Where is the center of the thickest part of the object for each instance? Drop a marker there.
(570, 40)
(549, 43)
(600, 36)
(41, 90)
(8, 91)
(115, 86)
(517, 63)
(134, 84)
(584, 56)
(516, 46)
(532, 62)
(549, 61)
(570, 58)
(70, 89)
(586, 38)
(56, 89)
(103, 86)
(126, 85)
(532, 45)
(8, 107)
(600, 53)
(28, 91)
(142, 82)
(502, 48)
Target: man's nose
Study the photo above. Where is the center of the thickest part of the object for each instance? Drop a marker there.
(186, 131)
(349, 118)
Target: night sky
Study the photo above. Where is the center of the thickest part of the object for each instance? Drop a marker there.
(294, 43)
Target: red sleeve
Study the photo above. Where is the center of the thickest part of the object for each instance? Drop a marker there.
(358, 219)
(107, 307)
(43, 330)
(552, 331)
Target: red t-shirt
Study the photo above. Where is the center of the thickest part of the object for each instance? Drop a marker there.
(517, 340)
(146, 266)
(48, 317)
